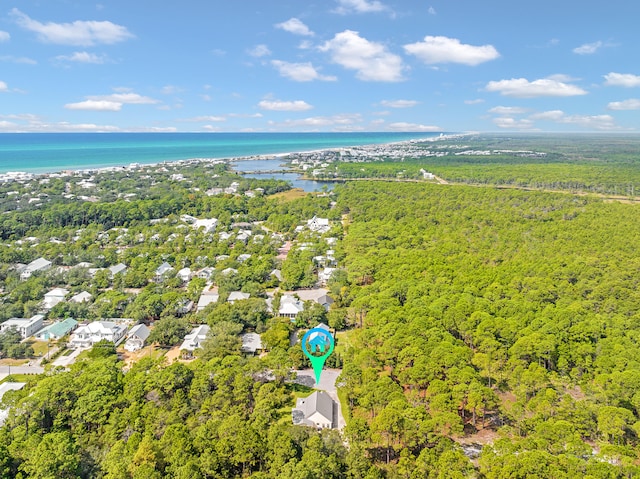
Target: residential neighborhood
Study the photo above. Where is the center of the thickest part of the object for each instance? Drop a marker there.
(238, 279)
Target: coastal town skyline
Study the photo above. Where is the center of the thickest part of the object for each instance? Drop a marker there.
(340, 65)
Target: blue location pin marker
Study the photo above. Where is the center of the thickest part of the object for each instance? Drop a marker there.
(317, 345)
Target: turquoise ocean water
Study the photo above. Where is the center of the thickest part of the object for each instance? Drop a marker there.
(50, 152)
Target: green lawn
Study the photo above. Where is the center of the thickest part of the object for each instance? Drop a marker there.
(19, 378)
(39, 348)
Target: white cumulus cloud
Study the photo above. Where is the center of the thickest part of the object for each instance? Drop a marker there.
(507, 110)
(3, 86)
(399, 103)
(260, 51)
(359, 6)
(113, 102)
(295, 26)
(630, 104)
(278, 105)
(4, 36)
(125, 97)
(588, 48)
(404, 126)
(589, 122)
(81, 33)
(551, 115)
(23, 60)
(206, 118)
(301, 72)
(523, 88)
(82, 57)
(339, 122)
(449, 50)
(371, 60)
(512, 123)
(622, 79)
(95, 105)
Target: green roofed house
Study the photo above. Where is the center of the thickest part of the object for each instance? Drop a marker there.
(57, 330)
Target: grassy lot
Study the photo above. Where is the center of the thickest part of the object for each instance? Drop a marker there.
(343, 340)
(13, 362)
(297, 391)
(344, 405)
(290, 195)
(39, 348)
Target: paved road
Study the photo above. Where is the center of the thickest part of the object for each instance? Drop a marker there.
(327, 383)
(65, 361)
(4, 370)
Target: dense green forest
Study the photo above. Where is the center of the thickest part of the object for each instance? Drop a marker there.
(605, 165)
(483, 332)
(509, 310)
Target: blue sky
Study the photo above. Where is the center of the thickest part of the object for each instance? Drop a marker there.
(330, 65)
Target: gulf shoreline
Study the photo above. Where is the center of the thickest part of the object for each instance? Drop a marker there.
(135, 165)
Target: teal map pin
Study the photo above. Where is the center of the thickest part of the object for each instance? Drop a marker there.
(317, 345)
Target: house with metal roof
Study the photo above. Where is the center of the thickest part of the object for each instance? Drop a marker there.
(57, 330)
(39, 264)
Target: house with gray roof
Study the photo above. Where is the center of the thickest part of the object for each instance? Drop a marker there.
(82, 297)
(251, 343)
(194, 339)
(39, 264)
(54, 297)
(136, 337)
(315, 411)
(237, 296)
(117, 269)
(163, 270)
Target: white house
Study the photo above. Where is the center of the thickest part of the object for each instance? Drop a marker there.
(243, 257)
(276, 273)
(26, 327)
(54, 297)
(185, 275)
(162, 271)
(251, 343)
(136, 337)
(195, 338)
(39, 264)
(315, 411)
(82, 297)
(290, 306)
(205, 273)
(325, 275)
(318, 225)
(237, 296)
(207, 298)
(117, 269)
(89, 334)
(209, 225)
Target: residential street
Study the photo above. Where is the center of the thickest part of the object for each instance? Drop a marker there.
(4, 370)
